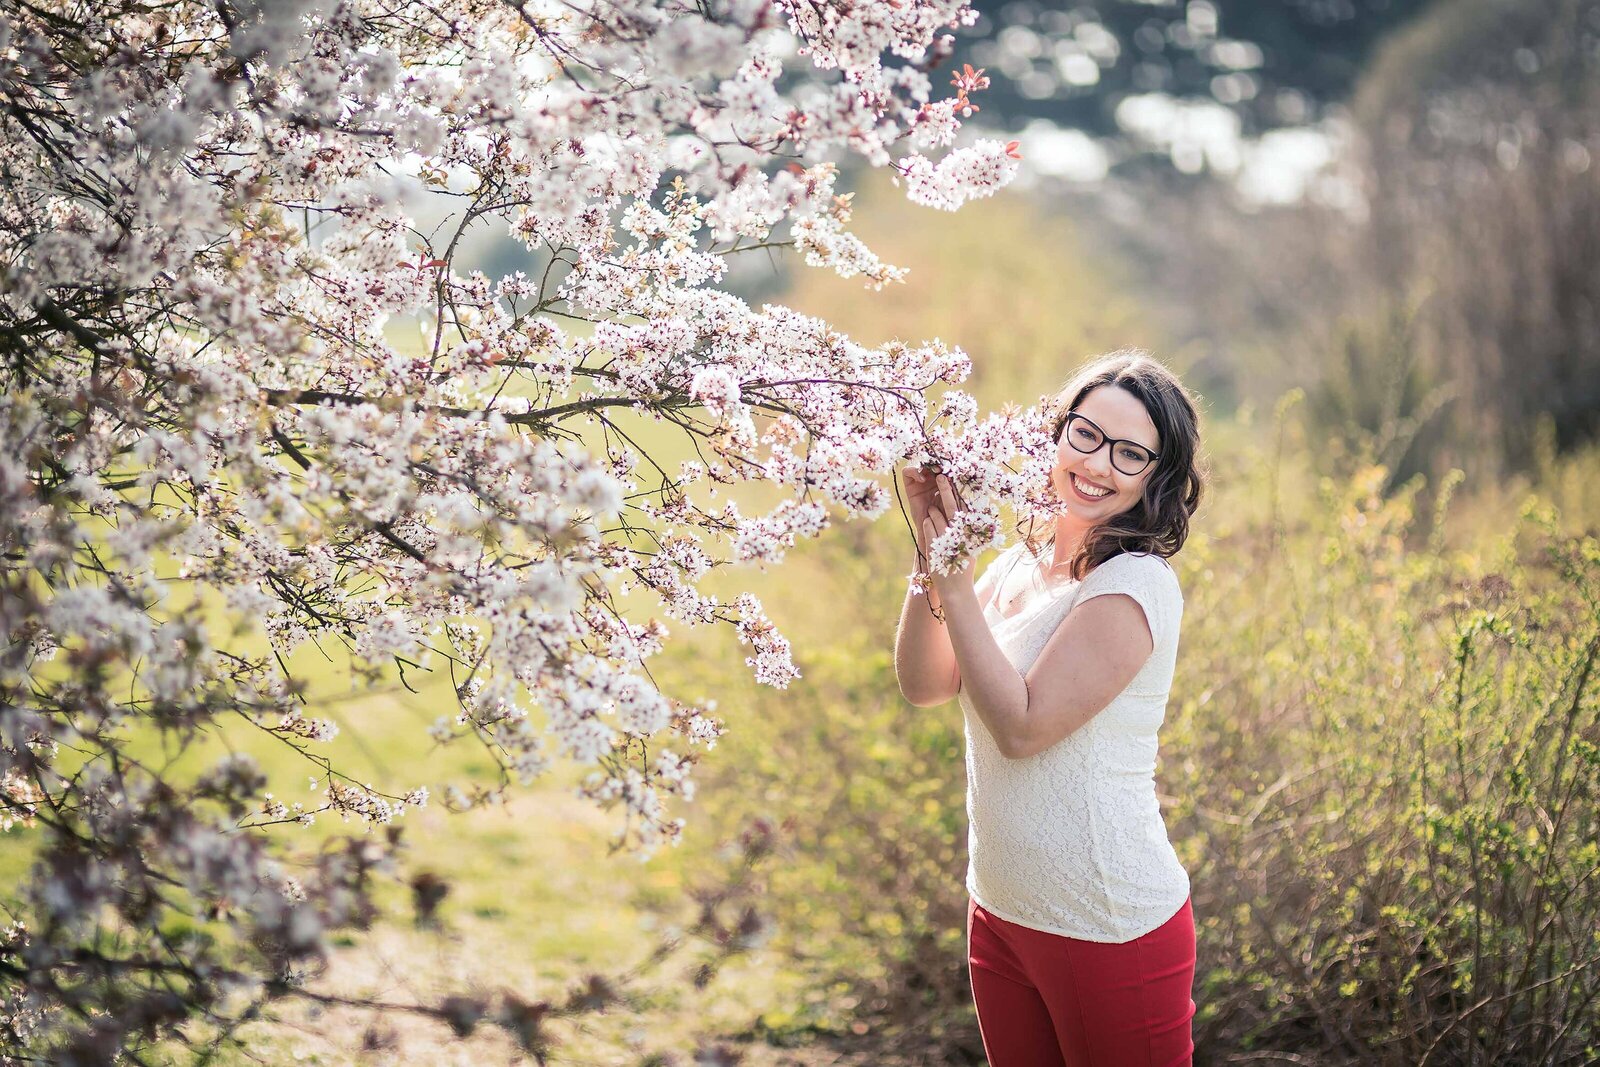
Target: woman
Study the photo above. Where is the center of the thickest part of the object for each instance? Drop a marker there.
(1080, 931)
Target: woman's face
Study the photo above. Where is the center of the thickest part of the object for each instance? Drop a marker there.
(1077, 476)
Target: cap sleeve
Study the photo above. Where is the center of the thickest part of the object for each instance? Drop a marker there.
(1150, 581)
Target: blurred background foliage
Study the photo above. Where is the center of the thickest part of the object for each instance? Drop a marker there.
(1435, 286)
(1272, 62)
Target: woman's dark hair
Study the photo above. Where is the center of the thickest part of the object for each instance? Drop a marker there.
(1159, 522)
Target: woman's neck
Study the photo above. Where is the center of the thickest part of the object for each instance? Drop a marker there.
(1070, 535)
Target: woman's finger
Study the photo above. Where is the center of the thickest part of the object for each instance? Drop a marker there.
(918, 482)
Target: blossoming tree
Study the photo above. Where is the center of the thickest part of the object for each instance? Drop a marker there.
(203, 240)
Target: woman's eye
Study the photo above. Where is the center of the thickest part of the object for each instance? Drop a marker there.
(1084, 433)
(1132, 455)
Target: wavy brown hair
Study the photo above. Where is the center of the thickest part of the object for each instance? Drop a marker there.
(1159, 522)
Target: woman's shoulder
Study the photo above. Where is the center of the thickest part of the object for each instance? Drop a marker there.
(1145, 568)
(1150, 581)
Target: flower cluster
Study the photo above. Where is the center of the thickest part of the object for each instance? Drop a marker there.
(1002, 461)
(222, 457)
(964, 174)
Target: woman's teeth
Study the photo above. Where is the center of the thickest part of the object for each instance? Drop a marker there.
(1086, 489)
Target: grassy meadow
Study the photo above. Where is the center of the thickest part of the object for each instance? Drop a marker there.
(1379, 764)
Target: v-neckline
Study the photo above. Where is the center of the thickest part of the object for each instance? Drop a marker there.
(1032, 597)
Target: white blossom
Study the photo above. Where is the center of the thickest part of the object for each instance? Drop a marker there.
(206, 238)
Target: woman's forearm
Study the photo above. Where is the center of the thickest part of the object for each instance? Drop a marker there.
(924, 662)
(997, 692)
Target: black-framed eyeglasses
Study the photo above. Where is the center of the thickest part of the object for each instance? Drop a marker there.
(1129, 457)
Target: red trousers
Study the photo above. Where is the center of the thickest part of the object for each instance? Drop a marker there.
(1045, 1000)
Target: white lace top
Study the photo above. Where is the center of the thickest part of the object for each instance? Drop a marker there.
(1071, 840)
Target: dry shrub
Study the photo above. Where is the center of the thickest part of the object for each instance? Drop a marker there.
(1384, 765)
(870, 795)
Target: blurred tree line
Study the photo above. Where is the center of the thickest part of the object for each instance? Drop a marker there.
(1438, 292)
(1274, 62)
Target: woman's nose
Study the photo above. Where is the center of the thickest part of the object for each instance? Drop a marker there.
(1099, 462)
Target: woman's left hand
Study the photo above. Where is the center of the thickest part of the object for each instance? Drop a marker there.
(940, 510)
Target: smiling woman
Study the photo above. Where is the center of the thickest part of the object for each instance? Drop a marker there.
(1125, 424)
(1081, 936)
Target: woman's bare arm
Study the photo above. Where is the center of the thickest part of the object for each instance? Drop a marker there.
(1091, 657)
(924, 660)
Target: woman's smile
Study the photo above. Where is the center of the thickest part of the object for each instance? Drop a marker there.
(1088, 490)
